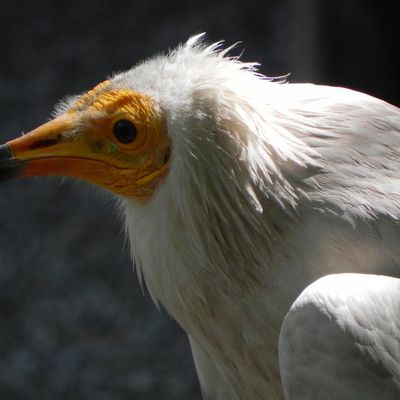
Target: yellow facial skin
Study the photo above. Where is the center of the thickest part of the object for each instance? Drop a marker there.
(81, 143)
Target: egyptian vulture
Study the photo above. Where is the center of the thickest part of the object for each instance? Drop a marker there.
(239, 191)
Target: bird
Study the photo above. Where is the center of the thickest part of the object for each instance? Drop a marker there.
(239, 193)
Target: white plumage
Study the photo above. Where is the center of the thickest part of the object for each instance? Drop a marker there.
(340, 340)
(270, 186)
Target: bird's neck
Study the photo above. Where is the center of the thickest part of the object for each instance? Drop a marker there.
(214, 281)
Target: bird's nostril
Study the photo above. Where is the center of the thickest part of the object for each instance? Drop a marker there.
(40, 144)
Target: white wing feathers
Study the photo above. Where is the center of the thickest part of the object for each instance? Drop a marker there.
(341, 340)
(358, 142)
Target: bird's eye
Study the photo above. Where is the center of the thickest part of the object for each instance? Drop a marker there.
(125, 131)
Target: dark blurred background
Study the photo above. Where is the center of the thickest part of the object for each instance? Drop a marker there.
(74, 322)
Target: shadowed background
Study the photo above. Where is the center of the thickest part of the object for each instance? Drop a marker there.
(74, 322)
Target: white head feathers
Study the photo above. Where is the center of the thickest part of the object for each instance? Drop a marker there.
(232, 163)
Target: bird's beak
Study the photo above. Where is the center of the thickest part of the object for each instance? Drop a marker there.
(35, 153)
(47, 150)
(63, 148)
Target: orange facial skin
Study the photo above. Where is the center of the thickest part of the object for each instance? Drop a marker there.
(81, 143)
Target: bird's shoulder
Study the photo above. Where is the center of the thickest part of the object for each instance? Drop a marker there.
(354, 138)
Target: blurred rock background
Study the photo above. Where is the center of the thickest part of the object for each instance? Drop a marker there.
(74, 322)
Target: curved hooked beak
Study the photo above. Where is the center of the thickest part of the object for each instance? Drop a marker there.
(47, 150)
(33, 153)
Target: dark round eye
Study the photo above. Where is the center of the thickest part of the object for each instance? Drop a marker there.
(125, 131)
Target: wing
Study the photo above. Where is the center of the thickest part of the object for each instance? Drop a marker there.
(341, 340)
(356, 139)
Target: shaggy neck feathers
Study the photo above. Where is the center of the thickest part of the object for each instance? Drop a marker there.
(230, 176)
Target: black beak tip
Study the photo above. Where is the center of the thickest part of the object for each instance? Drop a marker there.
(9, 166)
(5, 152)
